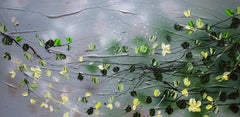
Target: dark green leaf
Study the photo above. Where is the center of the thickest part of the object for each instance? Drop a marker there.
(57, 42)
(84, 100)
(128, 108)
(41, 42)
(69, 39)
(185, 45)
(133, 93)
(207, 28)
(68, 47)
(181, 104)
(26, 81)
(191, 23)
(95, 80)
(21, 68)
(152, 112)
(104, 72)
(33, 86)
(125, 49)
(235, 23)
(7, 56)
(229, 12)
(197, 42)
(234, 108)
(60, 56)
(148, 100)
(143, 49)
(169, 110)
(168, 38)
(154, 62)
(226, 35)
(178, 27)
(27, 56)
(189, 55)
(132, 68)
(3, 28)
(49, 44)
(7, 40)
(136, 114)
(19, 38)
(25, 47)
(212, 51)
(233, 95)
(223, 96)
(90, 111)
(91, 46)
(42, 63)
(116, 69)
(158, 75)
(22, 83)
(175, 83)
(120, 86)
(80, 77)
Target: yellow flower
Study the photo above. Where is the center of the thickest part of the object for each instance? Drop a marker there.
(209, 98)
(209, 106)
(205, 115)
(47, 95)
(110, 106)
(98, 105)
(136, 101)
(199, 23)
(165, 49)
(48, 73)
(25, 94)
(204, 54)
(100, 67)
(187, 13)
(185, 92)
(204, 95)
(64, 98)
(194, 106)
(186, 82)
(44, 105)
(158, 114)
(66, 114)
(156, 92)
(12, 73)
(64, 72)
(33, 101)
(81, 59)
(225, 75)
(51, 108)
(87, 94)
(36, 72)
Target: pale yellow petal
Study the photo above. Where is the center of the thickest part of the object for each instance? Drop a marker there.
(156, 92)
(25, 94)
(33, 101)
(66, 114)
(12, 73)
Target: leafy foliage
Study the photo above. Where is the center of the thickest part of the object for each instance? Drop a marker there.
(201, 80)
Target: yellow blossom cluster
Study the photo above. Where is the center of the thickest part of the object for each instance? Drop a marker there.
(194, 106)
